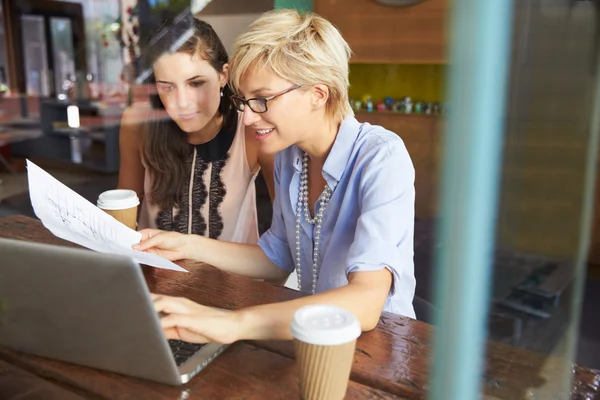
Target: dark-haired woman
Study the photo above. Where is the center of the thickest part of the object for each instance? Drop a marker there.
(189, 156)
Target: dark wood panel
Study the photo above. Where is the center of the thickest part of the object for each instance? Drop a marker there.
(372, 7)
(384, 34)
(547, 135)
(229, 7)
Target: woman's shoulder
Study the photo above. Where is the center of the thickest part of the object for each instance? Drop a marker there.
(133, 121)
(136, 113)
(377, 134)
(374, 138)
(138, 107)
(377, 146)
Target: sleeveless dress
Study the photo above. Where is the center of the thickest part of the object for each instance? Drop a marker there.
(220, 200)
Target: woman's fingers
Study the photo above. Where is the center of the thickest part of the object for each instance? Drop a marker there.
(181, 318)
(185, 335)
(177, 321)
(169, 255)
(172, 333)
(148, 233)
(150, 242)
(170, 305)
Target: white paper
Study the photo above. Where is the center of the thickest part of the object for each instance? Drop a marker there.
(71, 217)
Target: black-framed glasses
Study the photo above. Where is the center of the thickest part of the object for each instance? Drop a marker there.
(258, 104)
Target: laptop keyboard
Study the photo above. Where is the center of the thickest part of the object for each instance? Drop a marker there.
(182, 351)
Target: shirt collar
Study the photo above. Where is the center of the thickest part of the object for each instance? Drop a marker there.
(338, 157)
(297, 157)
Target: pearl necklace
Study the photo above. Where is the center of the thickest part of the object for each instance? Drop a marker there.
(303, 206)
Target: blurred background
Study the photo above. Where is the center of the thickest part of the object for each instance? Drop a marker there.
(542, 293)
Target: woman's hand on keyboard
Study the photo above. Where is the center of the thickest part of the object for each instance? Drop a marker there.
(182, 319)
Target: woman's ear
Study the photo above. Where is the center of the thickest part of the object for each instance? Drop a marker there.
(224, 75)
(320, 95)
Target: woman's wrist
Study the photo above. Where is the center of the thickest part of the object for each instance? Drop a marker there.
(255, 324)
(240, 332)
(193, 247)
(246, 321)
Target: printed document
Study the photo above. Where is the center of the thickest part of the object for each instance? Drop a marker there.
(71, 217)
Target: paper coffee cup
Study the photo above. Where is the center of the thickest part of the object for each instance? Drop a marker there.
(121, 204)
(324, 343)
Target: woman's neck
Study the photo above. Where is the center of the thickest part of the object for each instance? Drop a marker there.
(320, 142)
(206, 134)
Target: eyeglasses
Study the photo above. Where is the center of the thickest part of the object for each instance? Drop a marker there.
(258, 104)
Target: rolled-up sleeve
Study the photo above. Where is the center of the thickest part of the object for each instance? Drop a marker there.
(385, 227)
(274, 241)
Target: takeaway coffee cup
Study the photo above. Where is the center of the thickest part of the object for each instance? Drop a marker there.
(324, 343)
(121, 204)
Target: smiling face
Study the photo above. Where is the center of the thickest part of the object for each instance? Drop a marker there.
(189, 88)
(287, 119)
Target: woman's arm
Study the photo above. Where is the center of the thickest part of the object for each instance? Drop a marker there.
(131, 169)
(242, 259)
(272, 260)
(364, 296)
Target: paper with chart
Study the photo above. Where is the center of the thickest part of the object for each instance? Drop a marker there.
(71, 217)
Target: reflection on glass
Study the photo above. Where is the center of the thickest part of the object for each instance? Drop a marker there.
(547, 142)
(546, 209)
(35, 54)
(64, 55)
(3, 70)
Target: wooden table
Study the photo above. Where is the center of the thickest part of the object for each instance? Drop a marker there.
(391, 361)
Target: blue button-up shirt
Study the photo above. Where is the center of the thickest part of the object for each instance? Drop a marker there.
(369, 222)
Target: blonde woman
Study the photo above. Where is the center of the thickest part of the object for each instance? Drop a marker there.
(344, 192)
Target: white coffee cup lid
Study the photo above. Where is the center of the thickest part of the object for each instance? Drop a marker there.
(118, 199)
(325, 325)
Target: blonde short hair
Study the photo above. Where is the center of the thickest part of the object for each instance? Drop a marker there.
(304, 49)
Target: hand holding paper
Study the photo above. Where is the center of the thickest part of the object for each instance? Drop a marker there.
(71, 217)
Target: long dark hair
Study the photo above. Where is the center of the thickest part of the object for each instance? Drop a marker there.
(166, 148)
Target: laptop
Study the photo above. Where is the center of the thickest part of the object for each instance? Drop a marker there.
(91, 309)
